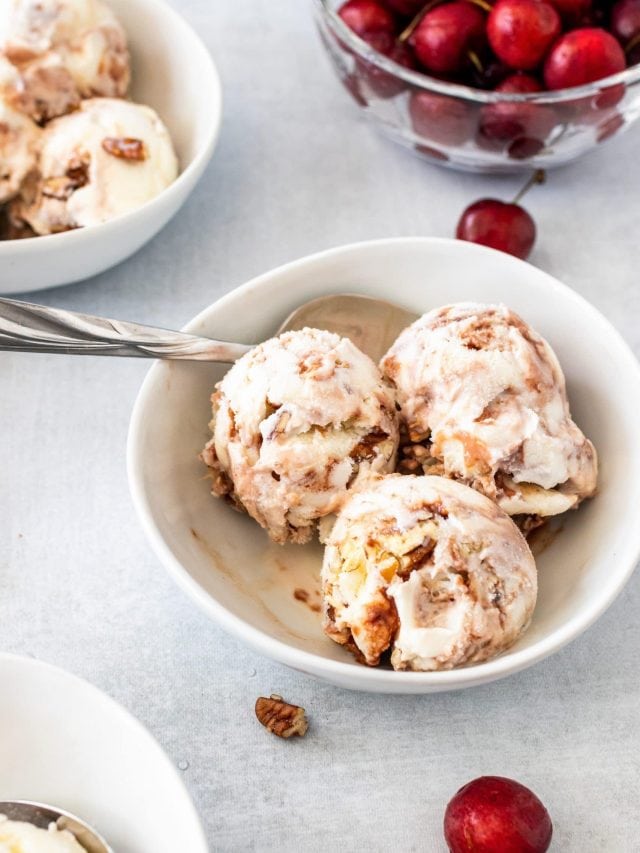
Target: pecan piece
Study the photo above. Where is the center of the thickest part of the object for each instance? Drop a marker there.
(366, 447)
(281, 718)
(63, 186)
(125, 148)
(60, 187)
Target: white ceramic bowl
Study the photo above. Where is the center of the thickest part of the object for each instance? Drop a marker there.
(173, 72)
(224, 560)
(68, 745)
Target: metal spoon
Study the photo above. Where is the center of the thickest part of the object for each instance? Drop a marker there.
(372, 324)
(41, 816)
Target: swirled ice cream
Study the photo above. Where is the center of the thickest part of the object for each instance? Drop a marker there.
(61, 51)
(17, 836)
(105, 159)
(19, 139)
(428, 569)
(298, 422)
(486, 396)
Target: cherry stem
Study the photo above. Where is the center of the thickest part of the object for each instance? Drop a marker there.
(635, 41)
(409, 29)
(538, 177)
(474, 59)
(486, 7)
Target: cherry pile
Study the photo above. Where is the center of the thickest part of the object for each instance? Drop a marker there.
(506, 45)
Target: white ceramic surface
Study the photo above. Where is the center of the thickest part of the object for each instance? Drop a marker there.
(173, 72)
(225, 561)
(67, 744)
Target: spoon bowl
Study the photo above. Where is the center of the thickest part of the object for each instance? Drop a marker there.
(371, 324)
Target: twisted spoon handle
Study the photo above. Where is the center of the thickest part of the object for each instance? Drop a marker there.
(36, 328)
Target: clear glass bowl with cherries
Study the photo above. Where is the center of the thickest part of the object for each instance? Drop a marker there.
(490, 85)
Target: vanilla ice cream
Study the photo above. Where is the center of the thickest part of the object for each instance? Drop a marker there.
(19, 837)
(106, 159)
(428, 569)
(62, 51)
(486, 396)
(298, 422)
(19, 139)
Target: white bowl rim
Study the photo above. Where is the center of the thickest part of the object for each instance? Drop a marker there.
(118, 710)
(76, 236)
(370, 677)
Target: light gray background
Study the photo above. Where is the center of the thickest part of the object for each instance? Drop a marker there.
(297, 171)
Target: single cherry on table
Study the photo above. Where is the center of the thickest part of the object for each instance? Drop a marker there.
(493, 814)
(501, 225)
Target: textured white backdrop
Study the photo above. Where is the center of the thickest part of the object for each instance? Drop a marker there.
(297, 171)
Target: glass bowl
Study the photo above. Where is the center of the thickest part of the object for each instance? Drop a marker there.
(472, 129)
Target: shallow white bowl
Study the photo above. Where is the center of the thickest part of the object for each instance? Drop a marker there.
(68, 745)
(173, 72)
(225, 561)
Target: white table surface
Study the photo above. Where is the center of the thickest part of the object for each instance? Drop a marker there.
(297, 171)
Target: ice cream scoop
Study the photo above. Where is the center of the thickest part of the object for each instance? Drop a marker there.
(428, 569)
(486, 396)
(61, 51)
(106, 159)
(298, 422)
(19, 139)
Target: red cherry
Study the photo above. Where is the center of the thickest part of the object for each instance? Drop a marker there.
(366, 17)
(442, 119)
(496, 815)
(406, 8)
(625, 20)
(583, 56)
(383, 83)
(520, 83)
(522, 31)
(572, 12)
(521, 127)
(445, 36)
(610, 127)
(503, 226)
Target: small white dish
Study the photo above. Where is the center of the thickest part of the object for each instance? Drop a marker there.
(225, 561)
(67, 744)
(173, 72)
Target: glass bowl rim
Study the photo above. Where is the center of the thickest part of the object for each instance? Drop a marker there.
(423, 81)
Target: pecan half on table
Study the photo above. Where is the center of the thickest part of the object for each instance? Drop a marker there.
(281, 718)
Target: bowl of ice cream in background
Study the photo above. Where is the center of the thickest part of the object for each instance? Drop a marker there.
(75, 749)
(110, 112)
(484, 507)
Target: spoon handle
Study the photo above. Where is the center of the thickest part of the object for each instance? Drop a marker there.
(36, 328)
